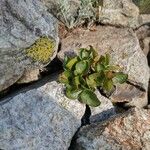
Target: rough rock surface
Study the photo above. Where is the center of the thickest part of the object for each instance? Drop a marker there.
(145, 18)
(29, 75)
(104, 111)
(143, 31)
(119, 13)
(127, 131)
(21, 24)
(56, 91)
(41, 118)
(129, 95)
(146, 43)
(123, 47)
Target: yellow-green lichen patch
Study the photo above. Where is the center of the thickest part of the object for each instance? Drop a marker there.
(42, 50)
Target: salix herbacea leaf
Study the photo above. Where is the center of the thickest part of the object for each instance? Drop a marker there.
(76, 81)
(71, 63)
(94, 80)
(66, 59)
(107, 59)
(81, 67)
(99, 67)
(120, 78)
(72, 93)
(84, 53)
(64, 77)
(88, 97)
(108, 85)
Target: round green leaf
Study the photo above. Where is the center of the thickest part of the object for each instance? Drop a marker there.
(71, 63)
(99, 67)
(64, 77)
(72, 93)
(81, 67)
(107, 59)
(83, 83)
(76, 81)
(120, 78)
(113, 68)
(102, 60)
(108, 85)
(91, 80)
(84, 53)
(88, 97)
(66, 59)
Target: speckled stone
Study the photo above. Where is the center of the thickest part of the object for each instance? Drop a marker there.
(41, 118)
(127, 131)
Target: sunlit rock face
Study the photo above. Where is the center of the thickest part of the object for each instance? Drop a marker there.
(125, 51)
(127, 131)
(41, 118)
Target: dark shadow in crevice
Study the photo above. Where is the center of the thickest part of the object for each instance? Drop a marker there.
(51, 73)
(73, 141)
(86, 117)
(59, 47)
(85, 120)
(137, 85)
(106, 114)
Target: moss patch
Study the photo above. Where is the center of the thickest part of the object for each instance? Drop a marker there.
(42, 50)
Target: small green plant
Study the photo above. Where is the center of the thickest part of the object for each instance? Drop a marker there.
(88, 71)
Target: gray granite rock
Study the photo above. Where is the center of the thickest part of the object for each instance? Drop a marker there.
(129, 95)
(119, 13)
(104, 111)
(41, 118)
(124, 48)
(22, 23)
(127, 131)
(56, 90)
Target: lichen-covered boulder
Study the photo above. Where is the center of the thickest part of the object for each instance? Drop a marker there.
(28, 39)
(41, 118)
(127, 131)
(125, 51)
